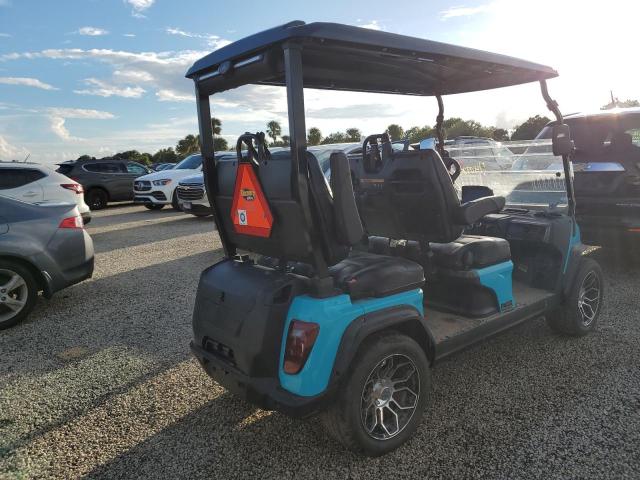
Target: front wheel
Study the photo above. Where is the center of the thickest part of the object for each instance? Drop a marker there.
(154, 206)
(174, 201)
(579, 315)
(382, 400)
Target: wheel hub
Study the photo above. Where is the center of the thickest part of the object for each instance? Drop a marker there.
(390, 397)
(13, 294)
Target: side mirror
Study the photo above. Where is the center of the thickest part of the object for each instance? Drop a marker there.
(561, 140)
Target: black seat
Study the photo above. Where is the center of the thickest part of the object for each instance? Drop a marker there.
(363, 275)
(410, 196)
(470, 252)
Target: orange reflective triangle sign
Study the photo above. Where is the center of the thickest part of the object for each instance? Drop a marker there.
(250, 212)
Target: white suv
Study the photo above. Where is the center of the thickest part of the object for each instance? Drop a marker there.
(158, 189)
(39, 184)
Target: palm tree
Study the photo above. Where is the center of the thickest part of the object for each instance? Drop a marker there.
(216, 126)
(188, 145)
(314, 137)
(274, 130)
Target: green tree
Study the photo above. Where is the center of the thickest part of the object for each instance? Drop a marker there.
(216, 126)
(530, 128)
(395, 131)
(415, 134)
(337, 137)
(353, 135)
(274, 130)
(188, 145)
(165, 155)
(314, 137)
(86, 157)
(500, 134)
(220, 144)
(286, 140)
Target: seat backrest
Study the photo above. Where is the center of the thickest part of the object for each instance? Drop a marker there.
(411, 197)
(291, 239)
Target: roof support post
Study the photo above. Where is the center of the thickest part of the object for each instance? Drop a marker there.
(439, 125)
(298, 141)
(552, 105)
(209, 164)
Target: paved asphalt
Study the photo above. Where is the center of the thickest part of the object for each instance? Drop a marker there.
(99, 383)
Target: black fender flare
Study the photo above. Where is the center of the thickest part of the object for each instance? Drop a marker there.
(402, 318)
(575, 257)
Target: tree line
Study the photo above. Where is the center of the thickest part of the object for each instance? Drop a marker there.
(453, 127)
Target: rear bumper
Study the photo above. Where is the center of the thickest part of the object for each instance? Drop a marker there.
(264, 392)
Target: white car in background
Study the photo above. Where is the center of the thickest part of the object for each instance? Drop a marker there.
(39, 184)
(158, 189)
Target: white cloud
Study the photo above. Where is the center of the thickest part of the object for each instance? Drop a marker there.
(105, 89)
(130, 35)
(92, 31)
(11, 152)
(27, 82)
(372, 25)
(172, 96)
(213, 41)
(139, 6)
(5, 35)
(58, 117)
(463, 11)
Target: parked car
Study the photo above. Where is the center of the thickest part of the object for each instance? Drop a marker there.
(104, 180)
(42, 248)
(158, 189)
(35, 183)
(479, 153)
(606, 164)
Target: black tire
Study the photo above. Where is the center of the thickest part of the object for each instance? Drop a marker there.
(153, 206)
(201, 215)
(579, 314)
(96, 198)
(344, 420)
(28, 294)
(174, 201)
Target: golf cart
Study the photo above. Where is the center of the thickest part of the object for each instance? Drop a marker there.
(338, 299)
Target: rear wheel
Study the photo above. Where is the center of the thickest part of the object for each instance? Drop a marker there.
(381, 403)
(96, 198)
(154, 206)
(579, 315)
(18, 293)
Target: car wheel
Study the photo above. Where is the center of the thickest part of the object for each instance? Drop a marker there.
(381, 402)
(96, 198)
(200, 214)
(174, 201)
(579, 315)
(154, 206)
(18, 293)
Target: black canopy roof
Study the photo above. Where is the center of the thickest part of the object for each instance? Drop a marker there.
(343, 57)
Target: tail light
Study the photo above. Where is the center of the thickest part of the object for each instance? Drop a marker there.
(300, 340)
(74, 187)
(72, 222)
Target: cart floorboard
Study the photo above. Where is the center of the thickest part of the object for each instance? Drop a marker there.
(453, 332)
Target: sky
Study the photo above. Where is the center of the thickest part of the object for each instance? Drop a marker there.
(101, 76)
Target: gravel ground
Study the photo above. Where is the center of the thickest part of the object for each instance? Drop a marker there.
(99, 383)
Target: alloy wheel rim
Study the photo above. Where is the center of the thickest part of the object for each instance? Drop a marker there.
(390, 397)
(13, 294)
(589, 298)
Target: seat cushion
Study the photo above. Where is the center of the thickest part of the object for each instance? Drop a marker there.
(471, 251)
(364, 275)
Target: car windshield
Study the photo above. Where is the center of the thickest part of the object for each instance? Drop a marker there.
(522, 180)
(190, 163)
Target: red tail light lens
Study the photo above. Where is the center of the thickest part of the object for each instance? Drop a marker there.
(300, 340)
(74, 187)
(72, 222)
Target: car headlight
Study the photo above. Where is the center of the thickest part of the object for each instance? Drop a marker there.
(164, 181)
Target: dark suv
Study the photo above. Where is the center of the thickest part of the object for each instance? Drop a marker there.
(105, 180)
(606, 165)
